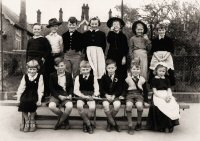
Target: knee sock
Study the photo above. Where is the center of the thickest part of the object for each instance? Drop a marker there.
(139, 118)
(84, 117)
(129, 117)
(110, 118)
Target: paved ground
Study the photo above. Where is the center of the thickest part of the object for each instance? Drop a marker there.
(188, 130)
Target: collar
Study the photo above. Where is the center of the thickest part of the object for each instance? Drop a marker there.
(139, 35)
(158, 77)
(31, 78)
(95, 30)
(72, 31)
(55, 34)
(35, 37)
(159, 37)
(60, 74)
(137, 76)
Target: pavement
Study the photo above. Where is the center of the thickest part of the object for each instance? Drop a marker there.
(188, 129)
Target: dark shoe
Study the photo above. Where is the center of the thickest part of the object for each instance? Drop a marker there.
(84, 128)
(130, 130)
(117, 128)
(171, 129)
(138, 127)
(58, 125)
(90, 130)
(26, 126)
(108, 129)
(66, 123)
(32, 126)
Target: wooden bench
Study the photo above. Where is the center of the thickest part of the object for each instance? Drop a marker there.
(45, 119)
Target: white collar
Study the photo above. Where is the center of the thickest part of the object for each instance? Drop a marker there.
(158, 77)
(95, 30)
(138, 76)
(53, 34)
(159, 37)
(31, 78)
(35, 37)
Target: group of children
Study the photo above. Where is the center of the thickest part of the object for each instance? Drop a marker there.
(73, 67)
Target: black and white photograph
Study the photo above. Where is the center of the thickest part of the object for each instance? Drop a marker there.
(99, 70)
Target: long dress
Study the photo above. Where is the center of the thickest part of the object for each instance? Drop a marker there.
(162, 114)
(118, 48)
(95, 43)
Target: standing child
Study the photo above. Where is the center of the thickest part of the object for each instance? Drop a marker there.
(95, 43)
(61, 88)
(86, 87)
(136, 93)
(139, 45)
(164, 112)
(111, 89)
(162, 50)
(55, 41)
(73, 46)
(38, 48)
(29, 94)
(118, 45)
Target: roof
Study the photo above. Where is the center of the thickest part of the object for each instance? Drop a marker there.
(63, 28)
(13, 18)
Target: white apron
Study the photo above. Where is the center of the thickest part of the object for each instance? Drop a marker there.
(170, 109)
(97, 60)
(161, 54)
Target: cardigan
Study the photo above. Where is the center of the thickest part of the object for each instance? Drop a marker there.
(56, 89)
(97, 38)
(111, 87)
(165, 44)
(74, 42)
(38, 47)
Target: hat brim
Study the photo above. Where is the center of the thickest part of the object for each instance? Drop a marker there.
(57, 23)
(111, 20)
(139, 22)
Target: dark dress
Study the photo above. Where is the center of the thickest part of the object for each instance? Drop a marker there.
(37, 49)
(165, 44)
(29, 97)
(158, 121)
(118, 48)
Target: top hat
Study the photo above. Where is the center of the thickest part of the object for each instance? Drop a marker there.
(135, 25)
(53, 22)
(111, 20)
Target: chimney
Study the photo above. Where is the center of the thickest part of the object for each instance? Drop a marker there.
(60, 15)
(39, 16)
(87, 12)
(83, 12)
(22, 16)
(110, 14)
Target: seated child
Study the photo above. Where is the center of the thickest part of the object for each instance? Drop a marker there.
(29, 95)
(136, 94)
(164, 112)
(86, 87)
(111, 88)
(61, 88)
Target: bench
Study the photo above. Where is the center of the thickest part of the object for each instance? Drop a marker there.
(45, 119)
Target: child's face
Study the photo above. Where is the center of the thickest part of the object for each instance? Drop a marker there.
(116, 25)
(161, 71)
(72, 26)
(94, 24)
(139, 29)
(111, 68)
(60, 67)
(32, 71)
(37, 30)
(161, 32)
(135, 71)
(54, 28)
(85, 71)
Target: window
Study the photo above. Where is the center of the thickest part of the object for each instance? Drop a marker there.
(18, 39)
